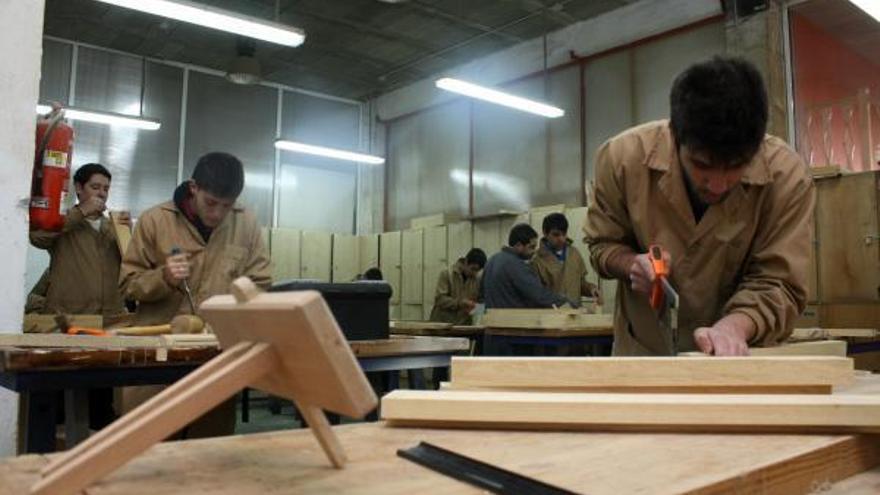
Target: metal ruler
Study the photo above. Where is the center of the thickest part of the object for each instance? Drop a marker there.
(478, 473)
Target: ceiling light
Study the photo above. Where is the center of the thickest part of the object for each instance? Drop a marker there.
(114, 119)
(211, 17)
(871, 7)
(501, 98)
(244, 68)
(328, 152)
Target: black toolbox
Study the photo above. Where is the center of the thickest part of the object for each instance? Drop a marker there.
(360, 308)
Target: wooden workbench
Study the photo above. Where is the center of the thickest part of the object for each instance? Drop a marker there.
(595, 463)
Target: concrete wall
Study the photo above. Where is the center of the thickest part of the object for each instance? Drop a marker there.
(21, 28)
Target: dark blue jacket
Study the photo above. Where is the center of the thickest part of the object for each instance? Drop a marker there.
(508, 282)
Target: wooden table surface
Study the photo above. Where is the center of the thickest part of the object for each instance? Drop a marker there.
(552, 332)
(451, 331)
(34, 358)
(594, 463)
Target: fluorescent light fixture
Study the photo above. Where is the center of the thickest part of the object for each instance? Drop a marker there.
(211, 17)
(328, 152)
(114, 119)
(871, 7)
(501, 98)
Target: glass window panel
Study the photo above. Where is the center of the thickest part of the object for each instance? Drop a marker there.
(55, 71)
(607, 101)
(563, 183)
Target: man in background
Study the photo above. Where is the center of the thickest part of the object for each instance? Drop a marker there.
(458, 289)
(559, 264)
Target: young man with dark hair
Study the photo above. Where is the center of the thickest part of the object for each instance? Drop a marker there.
(200, 240)
(729, 205)
(84, 256)
(509, 282)
(558, 264)
(458, 289)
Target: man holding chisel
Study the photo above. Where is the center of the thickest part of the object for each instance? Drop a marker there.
(191, 248)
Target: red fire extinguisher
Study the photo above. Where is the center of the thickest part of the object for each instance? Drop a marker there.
(51, 175)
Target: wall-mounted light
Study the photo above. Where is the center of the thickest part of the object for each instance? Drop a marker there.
(499, 97)
(328, 152)
(109, 118)
(214, 18)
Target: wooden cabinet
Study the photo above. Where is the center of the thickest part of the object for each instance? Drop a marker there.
(459, 240)
(345, 258)
(436, 260)
(506, 223)
(368, 252)
(285, 253)
(537, 214)
(411, 262)
(316, 255)
(486, 235)
(389, 263)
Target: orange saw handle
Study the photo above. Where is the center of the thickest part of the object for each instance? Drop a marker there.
(86, 331)
(661, 271)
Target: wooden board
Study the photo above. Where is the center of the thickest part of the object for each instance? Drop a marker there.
(399, 345)
(436, 260)
(412, 265)
(389, 262)
(833, 333)
(537, 214)
(487, 235)
(817, 348)
(285, 252)
(81, 341)
(848, 251)
(368, 252)
(594, 463)
(459, 240)
(123, 232)
(419, 325)
(636, 372)
(34, 323)
(452, 331)
(567, 319)
(316, 258)
(345, 258)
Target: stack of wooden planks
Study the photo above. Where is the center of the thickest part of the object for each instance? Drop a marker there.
(753, 394)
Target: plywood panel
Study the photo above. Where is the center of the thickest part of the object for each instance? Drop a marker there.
(389, 263)
(285, 247)
(412, 265)
(537, 214)
(459, 240)
(345, 257)
(435, 261)
(486, 235)
(368, 252)
(849, 238)
(315, 261)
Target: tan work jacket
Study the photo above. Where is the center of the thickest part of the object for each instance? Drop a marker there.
(566, 278)
(234, 249)
(749, 254)
(83, 267)
(452, 289)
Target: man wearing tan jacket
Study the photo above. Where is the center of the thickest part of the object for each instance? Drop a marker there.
(458, 289)
(730, 206)
(560, 265)
(217, 240)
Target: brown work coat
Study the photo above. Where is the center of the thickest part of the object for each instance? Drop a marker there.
(234, 249)
(749, 254)
(452, 289)
(83, 267)
(566, 278)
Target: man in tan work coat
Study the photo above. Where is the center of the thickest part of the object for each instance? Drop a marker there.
(218, 241)
(84, 257)
(558, 264)
(458, 289)
(730, 206)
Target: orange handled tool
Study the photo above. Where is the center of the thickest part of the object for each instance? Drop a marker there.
(86, 331)
(661, 271)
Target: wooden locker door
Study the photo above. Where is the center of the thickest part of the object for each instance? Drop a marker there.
(389, 263)
(507, 223)
(345, 258)
(577, 217)
(411, 312)
(285, 253)
(436, 260)
(316, 256)
(486, 235)
(459, 240)
(368, 252)
(537, 214)
(847, 228)
(411, 263)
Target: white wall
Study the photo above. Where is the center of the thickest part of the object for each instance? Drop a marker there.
(21, 28)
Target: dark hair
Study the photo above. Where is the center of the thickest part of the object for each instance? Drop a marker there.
(221, 174)
(476, 256)
(521, 233)
(373, 274)
(719, 107)
(555, 221)
(84, 173)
